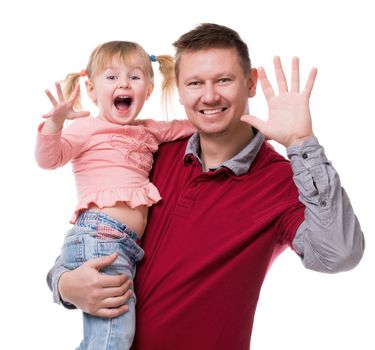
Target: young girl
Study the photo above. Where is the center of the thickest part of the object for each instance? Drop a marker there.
(111, 156)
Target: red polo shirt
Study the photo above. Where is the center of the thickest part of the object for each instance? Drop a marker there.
(208, 246)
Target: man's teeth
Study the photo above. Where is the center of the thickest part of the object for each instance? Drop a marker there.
(212, 111)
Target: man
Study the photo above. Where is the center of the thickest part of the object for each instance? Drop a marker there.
(230, 206)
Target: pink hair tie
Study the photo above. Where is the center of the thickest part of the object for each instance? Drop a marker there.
(83, 72)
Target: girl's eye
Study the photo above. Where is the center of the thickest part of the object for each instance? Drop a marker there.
(111, 77)
(135, 77)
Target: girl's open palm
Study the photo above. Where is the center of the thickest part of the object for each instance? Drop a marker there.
(289, 120)
(63, 108)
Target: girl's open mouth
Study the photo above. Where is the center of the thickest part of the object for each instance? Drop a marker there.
(122, 103)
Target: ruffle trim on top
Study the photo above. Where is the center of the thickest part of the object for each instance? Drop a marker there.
(134, 196)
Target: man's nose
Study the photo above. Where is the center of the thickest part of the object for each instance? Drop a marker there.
(210, 94)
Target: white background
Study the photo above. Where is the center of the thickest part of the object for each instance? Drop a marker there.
(42, 41)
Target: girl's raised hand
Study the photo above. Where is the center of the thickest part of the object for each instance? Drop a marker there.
(63, 108)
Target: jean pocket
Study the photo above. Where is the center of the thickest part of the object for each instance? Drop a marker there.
(73, 251)
(105, 232)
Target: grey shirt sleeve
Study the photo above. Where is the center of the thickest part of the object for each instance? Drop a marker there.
(53, 277)
(330, 238)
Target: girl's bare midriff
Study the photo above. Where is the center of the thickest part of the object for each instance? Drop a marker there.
(134, 218)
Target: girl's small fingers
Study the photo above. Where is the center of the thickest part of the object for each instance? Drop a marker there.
(47, 115)
(75, 93)
(59, 91)
(51, 97)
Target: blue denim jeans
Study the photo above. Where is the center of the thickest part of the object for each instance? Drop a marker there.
(96, 234)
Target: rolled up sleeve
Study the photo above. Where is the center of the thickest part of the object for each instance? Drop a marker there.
(330, 238)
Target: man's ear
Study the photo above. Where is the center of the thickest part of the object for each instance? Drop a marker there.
(252, 82)
(90, 90)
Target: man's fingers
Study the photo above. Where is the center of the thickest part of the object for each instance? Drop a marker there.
(111, 313)
(310, 82)
(112, 281)
(280, 75)
(118, 291)
(264, 82)
(108, 281)
(103, 261)
(294, 86)
(254, 121)
(118, 301)
(113, 306)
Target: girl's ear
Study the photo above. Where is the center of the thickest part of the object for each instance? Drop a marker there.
(90, 90)
(150, 89)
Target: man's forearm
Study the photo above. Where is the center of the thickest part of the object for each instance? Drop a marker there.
(53, 277)
(330, 238)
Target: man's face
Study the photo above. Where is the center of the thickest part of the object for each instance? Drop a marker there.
(214, 90)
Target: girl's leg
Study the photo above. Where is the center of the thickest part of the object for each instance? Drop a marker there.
(81, 245)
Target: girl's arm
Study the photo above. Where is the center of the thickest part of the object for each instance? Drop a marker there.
(53, 148)
(170, 130)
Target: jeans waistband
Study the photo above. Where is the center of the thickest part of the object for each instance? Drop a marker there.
(92, 219)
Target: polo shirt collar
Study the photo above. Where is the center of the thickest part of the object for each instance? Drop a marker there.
(239, 164)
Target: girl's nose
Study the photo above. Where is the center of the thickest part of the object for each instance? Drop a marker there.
(124, 83)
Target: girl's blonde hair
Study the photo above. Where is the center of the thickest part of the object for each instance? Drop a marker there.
(101, 57)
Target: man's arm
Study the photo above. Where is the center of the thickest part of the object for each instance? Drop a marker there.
(330, 238)
(88, 289)
(53, 277)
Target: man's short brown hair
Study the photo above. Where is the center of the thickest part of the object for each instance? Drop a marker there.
(211, 36)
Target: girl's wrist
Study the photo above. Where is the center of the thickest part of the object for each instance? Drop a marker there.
(52, 126)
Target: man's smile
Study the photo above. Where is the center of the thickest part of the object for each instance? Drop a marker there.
(212, 111)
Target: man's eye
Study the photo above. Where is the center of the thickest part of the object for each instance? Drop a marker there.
(224, 80)
(194, 83)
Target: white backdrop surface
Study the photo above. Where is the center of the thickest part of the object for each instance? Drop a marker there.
(42, 41)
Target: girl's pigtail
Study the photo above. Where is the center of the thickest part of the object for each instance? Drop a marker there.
(68, 85)
(166, 68)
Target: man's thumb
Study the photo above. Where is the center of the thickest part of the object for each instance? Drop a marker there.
(253, 121)
(103, 261)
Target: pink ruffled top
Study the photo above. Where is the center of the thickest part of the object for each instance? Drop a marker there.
(110, 162)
